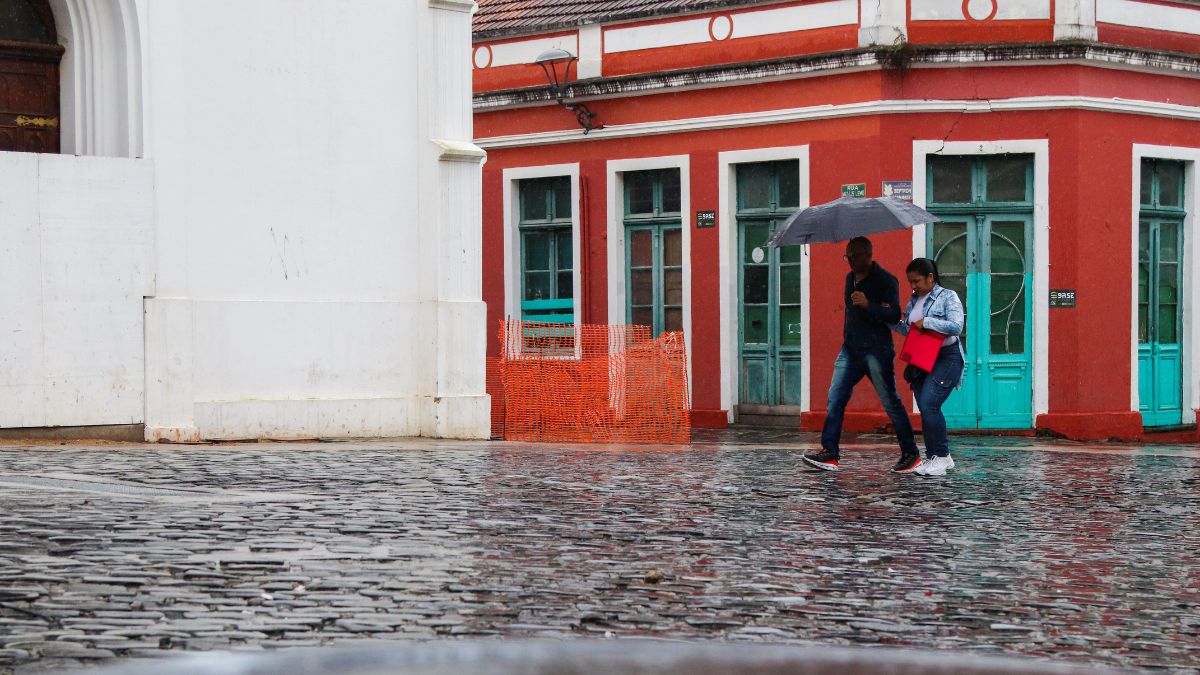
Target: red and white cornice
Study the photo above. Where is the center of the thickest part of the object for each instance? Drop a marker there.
(796, 28)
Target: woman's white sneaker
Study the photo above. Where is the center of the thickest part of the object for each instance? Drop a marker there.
(936, 466)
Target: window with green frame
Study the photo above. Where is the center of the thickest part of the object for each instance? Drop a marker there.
(654, 250)
(1160, 245)
(547, 260)
(987, 196)
(767, 193)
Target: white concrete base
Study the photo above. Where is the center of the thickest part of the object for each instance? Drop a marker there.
(173, 435)
(466, 417)
(463, 417)
(76, 259)
(233, 370)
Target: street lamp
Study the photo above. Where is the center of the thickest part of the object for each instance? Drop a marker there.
(556, 64)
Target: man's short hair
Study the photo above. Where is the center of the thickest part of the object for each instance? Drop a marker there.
(861, 243)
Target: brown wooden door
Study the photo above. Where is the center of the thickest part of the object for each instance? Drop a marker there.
(29, 77)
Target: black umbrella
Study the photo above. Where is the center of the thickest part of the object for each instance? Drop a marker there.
(848, 217)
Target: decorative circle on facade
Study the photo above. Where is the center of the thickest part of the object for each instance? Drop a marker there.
(483, 56)
(980, 10)
(720, 28)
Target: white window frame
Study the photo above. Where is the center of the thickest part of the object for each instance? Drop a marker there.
(1191, 280)
(1039, 294)
(727, 242)
(512, 246)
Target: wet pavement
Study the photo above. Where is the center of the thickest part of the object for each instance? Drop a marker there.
(1067, 551)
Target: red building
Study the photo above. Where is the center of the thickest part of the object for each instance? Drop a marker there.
(1056, 139)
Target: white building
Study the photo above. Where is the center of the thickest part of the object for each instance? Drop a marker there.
(264, 221)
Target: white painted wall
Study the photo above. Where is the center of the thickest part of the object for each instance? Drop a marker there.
(76, 241)
(318, 253)
(305, 226)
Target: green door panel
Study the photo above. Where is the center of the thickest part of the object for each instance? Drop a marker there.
(1160, 362)
(1160, 280)
(984, 250)
(653, 250)
(770, 324)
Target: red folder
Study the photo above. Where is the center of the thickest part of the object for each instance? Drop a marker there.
(921, 348)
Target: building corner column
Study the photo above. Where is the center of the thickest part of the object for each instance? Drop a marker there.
(451, 213)
(591, 52)
(1075, 20)
(882, 22)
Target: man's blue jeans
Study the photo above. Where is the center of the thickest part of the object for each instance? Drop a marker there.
(850, 367)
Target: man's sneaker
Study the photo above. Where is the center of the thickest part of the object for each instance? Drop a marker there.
(824, 460)
(909, 462)
(937, 466)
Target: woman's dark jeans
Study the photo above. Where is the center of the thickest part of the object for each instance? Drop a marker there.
(932, 390)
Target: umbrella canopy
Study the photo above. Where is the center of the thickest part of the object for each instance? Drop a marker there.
(848, 217)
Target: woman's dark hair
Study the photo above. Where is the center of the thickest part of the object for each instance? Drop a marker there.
(925, 267)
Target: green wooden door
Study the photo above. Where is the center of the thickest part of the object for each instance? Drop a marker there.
(984, 250)
(770, 329)
(1160, 278)
(654, 250)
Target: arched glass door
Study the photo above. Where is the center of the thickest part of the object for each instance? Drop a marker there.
(984, 250)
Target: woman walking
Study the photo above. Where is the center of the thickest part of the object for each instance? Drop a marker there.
(935, 308)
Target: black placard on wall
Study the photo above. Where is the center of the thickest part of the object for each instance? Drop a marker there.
(1062, 297)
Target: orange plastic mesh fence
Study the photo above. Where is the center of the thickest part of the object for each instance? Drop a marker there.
(495, 389)
(592, 384)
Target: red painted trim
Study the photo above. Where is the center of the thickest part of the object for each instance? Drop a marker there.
(729, 50)
(966, 13)
(1191, 435)
(917, 84)
(947, 32)
(493, 78)
(1145, 37)
(710, 419)
(1120, 425)
(734, 50)
(713, 14)
(475, 61)
(995, 7)
(509, 77)
(713, 36)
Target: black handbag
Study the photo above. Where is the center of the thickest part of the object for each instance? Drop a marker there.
(913, 373)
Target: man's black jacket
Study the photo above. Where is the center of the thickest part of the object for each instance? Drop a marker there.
(868, 328)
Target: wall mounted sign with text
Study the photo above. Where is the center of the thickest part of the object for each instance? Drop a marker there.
(898, 189)
(1062, 298)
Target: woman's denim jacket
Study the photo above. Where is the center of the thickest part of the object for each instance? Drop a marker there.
(943, 314)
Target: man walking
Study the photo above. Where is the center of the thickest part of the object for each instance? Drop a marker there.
(872, 297)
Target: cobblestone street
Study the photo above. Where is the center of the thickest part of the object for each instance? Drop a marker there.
(1068, 551)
